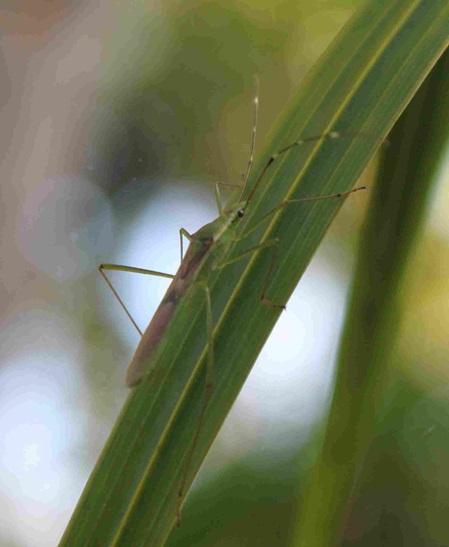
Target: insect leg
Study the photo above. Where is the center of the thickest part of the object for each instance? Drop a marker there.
(210, 343)
(267, 281)
(269, 243)
(276, 250)
(207, 397)
(210, 369)
(260, 246)
(218, 199)
(120, 268)
(303, 200)
(185, 233)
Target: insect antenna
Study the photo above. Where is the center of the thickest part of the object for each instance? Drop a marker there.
(253, 139)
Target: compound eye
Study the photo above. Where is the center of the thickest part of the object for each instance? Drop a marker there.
(240, 213)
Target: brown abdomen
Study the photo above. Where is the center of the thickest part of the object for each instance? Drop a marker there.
(150, 339)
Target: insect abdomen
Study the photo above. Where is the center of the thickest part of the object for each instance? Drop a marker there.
(150, 339)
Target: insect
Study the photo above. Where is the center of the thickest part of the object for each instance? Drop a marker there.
(208, 252)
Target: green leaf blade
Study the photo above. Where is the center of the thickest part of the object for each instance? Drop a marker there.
(374, 318)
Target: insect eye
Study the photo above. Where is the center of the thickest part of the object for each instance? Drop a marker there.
(240, 213)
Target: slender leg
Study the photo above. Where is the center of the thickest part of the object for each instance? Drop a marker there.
(218, 199)
(120, 268)
(210, 343)
(267, 281)
(251, 250)
(185, 233)
(208, 394)
(270, 243)
(263, 299)
(210, 371)
(303, 200)
(230, 184)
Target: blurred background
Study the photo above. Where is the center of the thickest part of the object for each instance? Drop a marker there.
(116, 119)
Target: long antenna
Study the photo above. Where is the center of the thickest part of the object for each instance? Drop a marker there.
(253, 139)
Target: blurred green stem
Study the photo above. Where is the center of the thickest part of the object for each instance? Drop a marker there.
(394, 223)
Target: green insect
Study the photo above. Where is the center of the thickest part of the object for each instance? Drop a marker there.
(208, 252)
